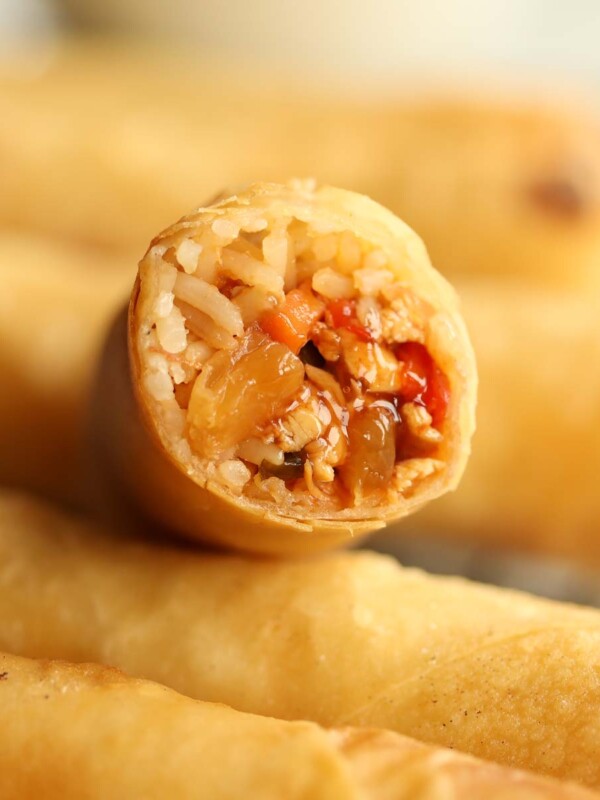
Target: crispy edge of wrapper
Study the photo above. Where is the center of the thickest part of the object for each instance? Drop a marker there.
(310, 761)
(350, 639)
(139, 474)
(165, 491)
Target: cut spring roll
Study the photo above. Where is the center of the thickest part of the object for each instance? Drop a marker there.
(347, 639)
(56, 305)
(532, 483)
(300, 373)
(73, 731)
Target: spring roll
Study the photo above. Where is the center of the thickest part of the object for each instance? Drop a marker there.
(532, 481)
(56, 304)
(506, 186)
(298, 373)
(92, 113)
(85, 114)
(346, 639)
(73, 731)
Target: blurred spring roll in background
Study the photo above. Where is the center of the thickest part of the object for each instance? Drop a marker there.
(90, 128)
(73, 731)
(506, 185)
(533, 480)
(501, 187)
(348, 639)
(532, 483)
(56, 303)
(300, 373)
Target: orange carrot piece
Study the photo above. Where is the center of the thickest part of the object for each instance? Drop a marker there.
(292, 321)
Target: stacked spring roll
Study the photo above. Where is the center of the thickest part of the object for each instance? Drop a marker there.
(499, 187)
(348, 639)
(71, 731)
(56, 305)
(503, 498)
(90, 128)
(526, 171)
(532, 480)
(298, 373)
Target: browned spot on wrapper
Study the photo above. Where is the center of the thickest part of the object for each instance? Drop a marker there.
(561, 196)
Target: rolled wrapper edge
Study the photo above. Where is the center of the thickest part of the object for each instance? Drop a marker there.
(199, 509)
(121, 737)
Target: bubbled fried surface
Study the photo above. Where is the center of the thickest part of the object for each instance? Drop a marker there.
(350, 639)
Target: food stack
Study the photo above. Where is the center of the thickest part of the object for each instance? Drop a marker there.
(289, 374)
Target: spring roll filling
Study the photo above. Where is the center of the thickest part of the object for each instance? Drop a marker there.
(287, 363)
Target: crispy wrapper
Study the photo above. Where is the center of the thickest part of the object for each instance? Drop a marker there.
(56, 306)
(532, 483)
(147, 438)
(91, 109)
(528, 172)
(527, 169)
(72, 731)
(347, 639)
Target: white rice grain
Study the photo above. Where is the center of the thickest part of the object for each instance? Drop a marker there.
(375, 259)
(234, 473)
(254, 225)
(256, 451)
(208, 263)
(332, 284)
(202, 326)
(225, 229)
(187, 254)
(196, 353)
(163, 305)
(178, 373)
(349, 252)
(158, 385)
(371, 281)
(253, 301)
(276, 249)
(252, 272)
(325, 247)
(171, 331)
(167, 274)
(208, 299)
(173, 416)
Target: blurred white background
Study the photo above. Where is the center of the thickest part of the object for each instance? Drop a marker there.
(374, 41)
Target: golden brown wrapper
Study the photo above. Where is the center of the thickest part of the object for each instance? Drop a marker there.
(544, 342)
(140, 456)
(347, 639)
(506, 186)
(532, 482)
(56, 305)
(90, 128)
(524, 163)
(72, 731)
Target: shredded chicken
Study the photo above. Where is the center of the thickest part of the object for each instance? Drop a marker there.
(408, 472)
(327, 342)
(418, 421)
